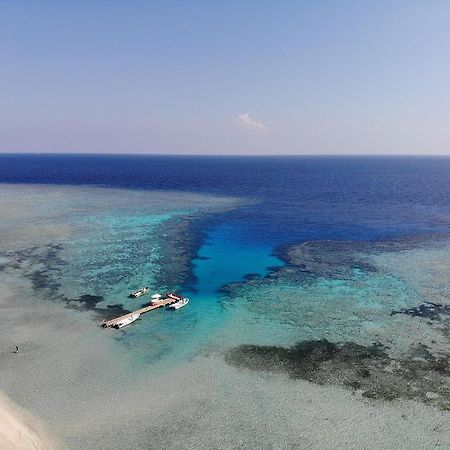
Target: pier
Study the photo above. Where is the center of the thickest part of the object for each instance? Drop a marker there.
(145, 309)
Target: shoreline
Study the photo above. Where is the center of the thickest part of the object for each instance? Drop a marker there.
(19, 430)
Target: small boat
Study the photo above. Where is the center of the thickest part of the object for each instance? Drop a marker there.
(180, 303)
(155, 299)
(174, 296)
(129, 319)
(139, 292)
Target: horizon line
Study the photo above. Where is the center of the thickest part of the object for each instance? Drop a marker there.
(221, 155)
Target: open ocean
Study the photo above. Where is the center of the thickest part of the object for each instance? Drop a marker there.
(302, 271)
(299, 198)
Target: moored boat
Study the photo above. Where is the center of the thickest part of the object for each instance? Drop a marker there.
(174, 296)
(129, 319)
(139, 292)
(180, 303)
(155, 299)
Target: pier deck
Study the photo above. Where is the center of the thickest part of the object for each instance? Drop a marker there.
(145, 309)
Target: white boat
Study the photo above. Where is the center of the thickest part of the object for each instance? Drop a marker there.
(129, 319)
(155, 299)
(174, 296)
(180, 303)
(139, 292)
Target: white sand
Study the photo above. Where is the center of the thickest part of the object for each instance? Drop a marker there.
(20, 431)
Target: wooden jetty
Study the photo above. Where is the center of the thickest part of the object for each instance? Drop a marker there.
(145, 309)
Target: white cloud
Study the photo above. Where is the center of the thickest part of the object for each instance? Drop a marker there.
(245, 121)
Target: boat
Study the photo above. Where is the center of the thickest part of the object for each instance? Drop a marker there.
(174, 296)
(129, 319)
(139, 292)
(180, 303)
(155, 299)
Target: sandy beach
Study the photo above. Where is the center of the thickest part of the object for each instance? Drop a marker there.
(19, 430)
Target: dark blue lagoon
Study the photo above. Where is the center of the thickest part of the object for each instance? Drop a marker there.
(329, 271)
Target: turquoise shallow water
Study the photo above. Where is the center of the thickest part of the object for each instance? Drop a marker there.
(180, 335)
(276, 310)
(222, 259)
(356, 309)
(106, 243)
(121, 247)
(120, 240)
(120, 252)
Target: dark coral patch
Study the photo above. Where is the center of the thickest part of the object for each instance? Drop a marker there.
(90, 302)
(421, 376)
(252, 276)
(45, 279)
(305, 359)
(428, 310)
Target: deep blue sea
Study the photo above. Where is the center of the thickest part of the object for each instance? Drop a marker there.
(298, 198)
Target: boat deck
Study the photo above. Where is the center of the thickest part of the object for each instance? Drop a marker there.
(145, 309)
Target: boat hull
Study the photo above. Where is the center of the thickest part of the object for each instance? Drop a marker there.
(127, 321)
(139, 293)
(179, 304)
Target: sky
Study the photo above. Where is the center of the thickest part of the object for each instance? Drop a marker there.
(225, 77)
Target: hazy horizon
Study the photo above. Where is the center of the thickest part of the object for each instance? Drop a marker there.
(297, 78)
(242, 154)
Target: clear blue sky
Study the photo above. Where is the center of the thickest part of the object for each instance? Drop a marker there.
(225, 76)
